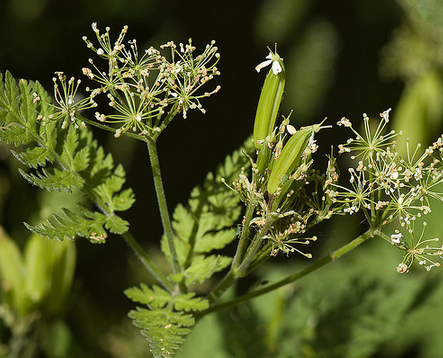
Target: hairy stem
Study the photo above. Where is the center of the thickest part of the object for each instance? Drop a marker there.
(162, 204)
(147, 262)
(294, 277)
(253, 249)
(243, 267)
(244, 237)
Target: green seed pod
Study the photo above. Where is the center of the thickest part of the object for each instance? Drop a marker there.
(263, 157)
(290, 156)
(270, 98)
(12, 272)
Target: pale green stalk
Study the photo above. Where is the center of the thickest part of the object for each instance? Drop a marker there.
(242, 270)
(291, 278)
(243, 267)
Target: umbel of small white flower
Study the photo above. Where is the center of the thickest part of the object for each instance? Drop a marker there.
(387, 187)
(384, 183)
(420, 250)
(68, 103)
(147, 89)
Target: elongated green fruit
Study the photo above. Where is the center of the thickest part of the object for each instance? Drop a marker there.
(263, 157)
(12, 271)
(270, 99)
(290, 156)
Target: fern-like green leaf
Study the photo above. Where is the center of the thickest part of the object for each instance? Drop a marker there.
(203, 267)
(54, 179)
(208, 222)
(167, 319)
(62, 159)
(68, 225)
(33, 157)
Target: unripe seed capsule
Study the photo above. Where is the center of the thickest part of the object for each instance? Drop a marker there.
(290, 157)
(263, 157)
(270, 99)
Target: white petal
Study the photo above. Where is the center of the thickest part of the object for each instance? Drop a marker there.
(291, 129)
(276, 68)
(262, 65)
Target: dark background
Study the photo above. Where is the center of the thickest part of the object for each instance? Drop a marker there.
(39, 37)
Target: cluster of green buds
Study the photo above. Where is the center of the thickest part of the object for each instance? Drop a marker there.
(40, 278)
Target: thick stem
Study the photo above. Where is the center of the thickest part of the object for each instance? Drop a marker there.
(146, 261)
(162, 204)
(292, 278)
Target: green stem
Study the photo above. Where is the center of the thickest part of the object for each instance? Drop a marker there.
(243, 268)
(244, 237)
(292, 278)
(147, 262)
(110, 129)
(253, 249)
(162, 204)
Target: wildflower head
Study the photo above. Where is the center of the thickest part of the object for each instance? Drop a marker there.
(387, 186)
(425, 251)
(146, 90)
(68, 103)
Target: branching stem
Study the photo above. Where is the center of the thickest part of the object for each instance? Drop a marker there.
(147, 262)
(294, 277)
(253, 249)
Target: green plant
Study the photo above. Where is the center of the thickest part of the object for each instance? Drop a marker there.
(268, 194)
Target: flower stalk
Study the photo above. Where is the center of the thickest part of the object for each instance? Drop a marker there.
(294, 277)
(162, 204)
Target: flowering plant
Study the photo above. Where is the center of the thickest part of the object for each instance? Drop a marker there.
(268, 197)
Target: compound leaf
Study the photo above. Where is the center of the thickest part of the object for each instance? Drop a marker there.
(167, 319)
(207, 223)
(62, 156)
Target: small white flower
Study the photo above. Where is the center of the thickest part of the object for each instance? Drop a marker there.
(396, 238)
(273, 58)
(394, 175)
